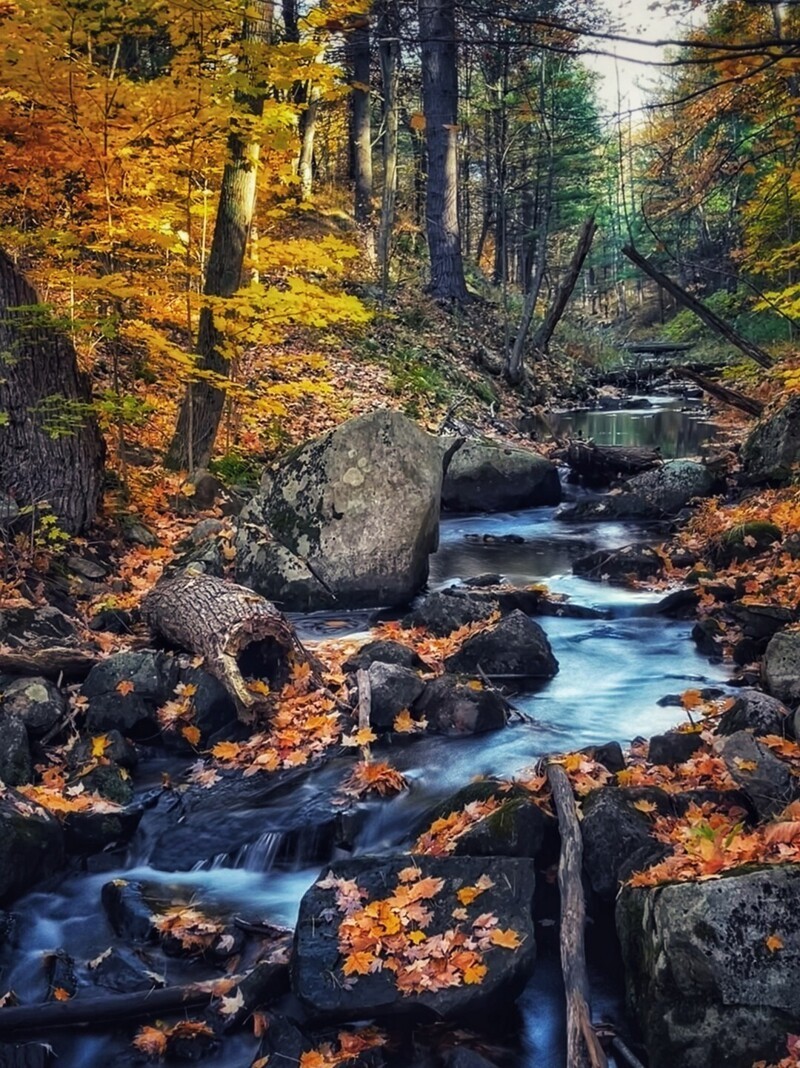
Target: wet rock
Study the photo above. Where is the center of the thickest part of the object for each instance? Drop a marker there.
(282, 1040)
(445, 611)
(269, 568)
(609, 508)
(515, 829)
(31, 845)
(617, 835)
(674, 747)
(360, 507)
(701, 979)
(113, 621)
(495, 539)
(122, 971)
(393, 689)
(16, 766)
(126, 690)
(61, 976)
(773, 447)
(93, 831)
(781, 667)
(765, 779)
(23, 626)
(609, 754)
(632, 561)
(515, 646)
(707, 634)
(26, 1055)
(117, 750)
(37, 702)
(484, 477)
(384, 652)
(755, 711)
(128, 911)
(760, 621)
(679, 604)
(316, 968)
(669, 488)
(744, 542)
(466, 1058)
(454, 708)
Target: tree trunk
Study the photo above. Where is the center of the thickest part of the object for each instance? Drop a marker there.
(358, 48)
(599, 465)
(389, 49)
(541, 339)
(237, 631)
(583, 1046)
(51, 449)
(731, 397)
(305, 164)
(702, 312)
(201, 411)
(440, 102)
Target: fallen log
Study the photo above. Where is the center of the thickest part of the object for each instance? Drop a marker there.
(583, 1045)
(732, 397)
(266, 981)
(236, 631)
(55, 662)
(601, 464)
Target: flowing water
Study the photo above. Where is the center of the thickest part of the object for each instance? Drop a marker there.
(613, 671)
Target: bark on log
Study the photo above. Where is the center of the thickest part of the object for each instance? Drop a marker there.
(704, 313)
(601, 464)
(54, 662)
(732, 397)
(114, 1007)
(237, 631)
(583, 1046)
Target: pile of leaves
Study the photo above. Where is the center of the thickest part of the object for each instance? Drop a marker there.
(349, 1046)
(434, 651)
(443, 834)
(792, 1060)
(389, 934)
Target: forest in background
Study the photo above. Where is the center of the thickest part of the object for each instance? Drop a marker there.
(253, 219)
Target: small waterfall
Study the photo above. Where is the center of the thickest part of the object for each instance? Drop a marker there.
(257, 856)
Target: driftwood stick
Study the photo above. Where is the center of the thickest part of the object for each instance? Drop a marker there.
(583, 1046)
(732, 397)
(364, 698)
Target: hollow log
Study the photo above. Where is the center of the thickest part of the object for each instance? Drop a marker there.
(601, 464)
(272, 982)
(732, 397)
(583, 1045)
(236, 631)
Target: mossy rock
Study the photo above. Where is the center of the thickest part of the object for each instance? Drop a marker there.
(515, 829)
(745, 541)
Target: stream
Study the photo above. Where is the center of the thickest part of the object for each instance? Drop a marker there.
(613, 673)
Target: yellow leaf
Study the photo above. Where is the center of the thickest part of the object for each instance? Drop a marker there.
(191, 734)
(773, 943)
(475, 684)
(99, 745)
(226, 750)
(358, 963)
(507, 939)
(468, 894)
(645, 806)
(474, 974)
(416, 937)
(258, 686)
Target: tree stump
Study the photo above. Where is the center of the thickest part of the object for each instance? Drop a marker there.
(238, 632)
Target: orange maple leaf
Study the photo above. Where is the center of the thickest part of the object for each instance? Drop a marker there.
(124, 686)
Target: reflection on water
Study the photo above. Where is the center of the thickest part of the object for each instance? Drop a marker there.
(675, 432)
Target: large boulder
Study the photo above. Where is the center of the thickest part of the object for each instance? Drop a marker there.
(37, 702)
(393, 689)
(31, 844)
(781, 666)
(617, 837)
(454, 708)
(484, 477)
(444, 611)
(757, 712)
(671, 486)
(765, 779)
(515, 646)
(427, 924)
(773, 446)
(514, 825)
(357, 509)
(711, 967)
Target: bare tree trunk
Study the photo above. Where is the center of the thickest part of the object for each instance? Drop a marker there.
(541, 339)
(358, 49)
(389, 49)
(440, 100)
(731, 397)
(702, 312)
(201, 411)
(305, 164)
(51, 449)
(237, 631)
(583, 1046)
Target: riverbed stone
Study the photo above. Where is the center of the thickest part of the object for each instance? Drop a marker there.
(755, 711)
(126, 690)
(760, 621)
(316, 968)
(620, 565)
(674, 747)
(772, 448)
(393, 689)
(453, 707)
(781, 666)
(486, 477)
(514, 646)
(16, 766)
(31, 845)
(384, 652)
(444, 611)
(616, 836)
(359, 507)
(609, 508)
(745, 541)
(764, 778)
(701, 978)
(670, 487)
(37, 702)
(514, 829)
